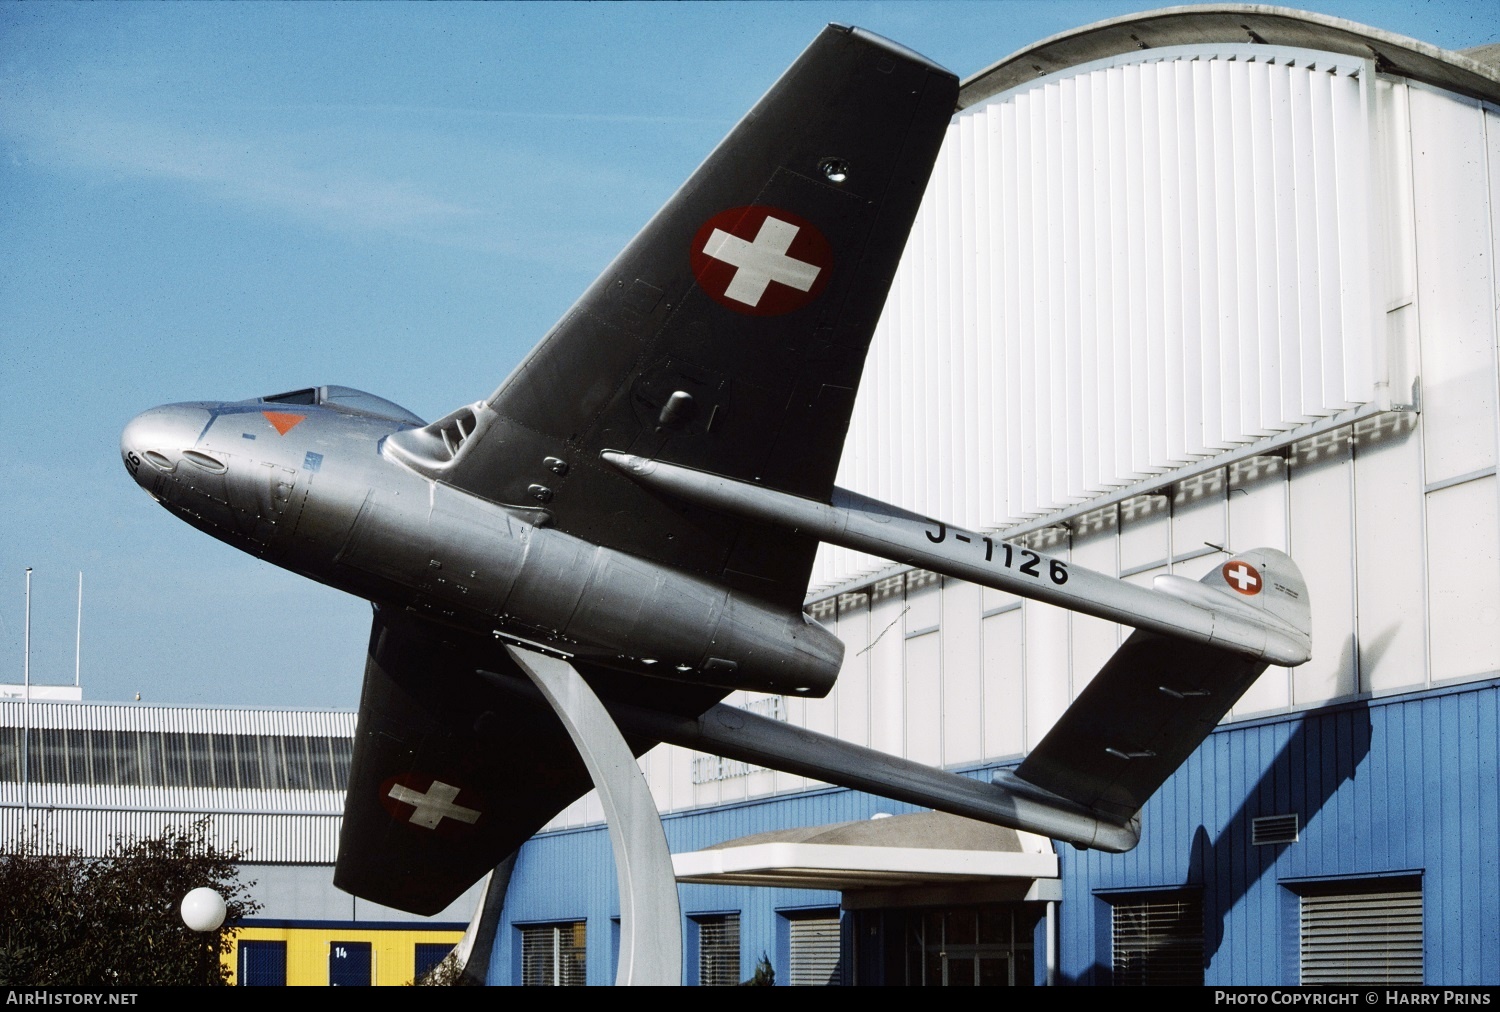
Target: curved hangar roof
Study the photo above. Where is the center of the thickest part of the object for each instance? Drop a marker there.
(1476, 73)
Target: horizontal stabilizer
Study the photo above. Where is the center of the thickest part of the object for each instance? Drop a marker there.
(1158, 697)
(1263, 626)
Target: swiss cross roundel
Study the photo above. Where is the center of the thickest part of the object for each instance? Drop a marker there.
(1243, 577)
(761, 261)
(427, 803)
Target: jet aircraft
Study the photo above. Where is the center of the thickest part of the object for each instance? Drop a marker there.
(643, 496)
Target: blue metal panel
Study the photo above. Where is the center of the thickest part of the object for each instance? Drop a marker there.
(1486, 842)
(1470, 865)
(1439, 892)
(570, 875)
(1399, 785)
(262, 964)
(349, 964)
(691, 953)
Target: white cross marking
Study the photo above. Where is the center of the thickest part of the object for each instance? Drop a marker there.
(1242, 576)
(762, 261)
(434, 806)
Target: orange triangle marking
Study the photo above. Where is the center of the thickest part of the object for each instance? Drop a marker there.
(283, 421)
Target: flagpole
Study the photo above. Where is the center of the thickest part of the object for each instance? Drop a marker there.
(78, 639)
(26, 703)
(26, 653)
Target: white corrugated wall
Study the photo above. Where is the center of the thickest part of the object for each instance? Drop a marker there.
(263, 837)
(268, 825)
(1119, 269)
(187, 719)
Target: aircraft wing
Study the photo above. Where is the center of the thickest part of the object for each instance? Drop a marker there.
(1157, 698)
(452, 773)
(730, 334)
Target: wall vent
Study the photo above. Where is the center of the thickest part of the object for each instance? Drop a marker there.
(1269, 829)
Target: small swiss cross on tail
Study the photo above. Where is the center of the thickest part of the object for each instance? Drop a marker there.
(1243, 577)
(761, 261)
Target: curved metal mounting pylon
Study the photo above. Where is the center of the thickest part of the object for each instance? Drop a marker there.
(650, 916)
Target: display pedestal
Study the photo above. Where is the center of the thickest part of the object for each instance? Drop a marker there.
(650, 917)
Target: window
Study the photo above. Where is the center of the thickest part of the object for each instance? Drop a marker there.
(10, 754)
(553, 955)
(429, 955)
(349, 964)
(177, 759)
(262, 964)
(973, 946)
(308, 396)
(1368, 933)
(718, 950)
(1158, 939)
(814, 949)
(298, 776)
(225, 773)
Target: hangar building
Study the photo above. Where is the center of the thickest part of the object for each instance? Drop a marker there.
(1184, 283)
(269, 782)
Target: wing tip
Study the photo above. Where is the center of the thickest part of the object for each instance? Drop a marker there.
(896, 49)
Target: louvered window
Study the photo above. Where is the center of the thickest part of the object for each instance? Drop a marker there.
(719, 950)
(815, 955)
(1158, 939)
(177, 759)
(1371, 936)
(553, 955)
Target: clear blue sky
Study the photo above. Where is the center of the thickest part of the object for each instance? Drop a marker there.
(217, 201)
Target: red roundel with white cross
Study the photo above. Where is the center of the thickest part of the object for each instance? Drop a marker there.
(1243, 577)
(428, 803)
(761, 261)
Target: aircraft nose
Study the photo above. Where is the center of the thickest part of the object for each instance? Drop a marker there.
(154, 441)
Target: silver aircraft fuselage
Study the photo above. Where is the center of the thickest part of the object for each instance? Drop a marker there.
(314, 488)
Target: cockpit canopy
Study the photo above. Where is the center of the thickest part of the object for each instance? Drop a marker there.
(347, 399)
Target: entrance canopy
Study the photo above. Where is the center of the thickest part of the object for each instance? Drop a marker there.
(925, 848)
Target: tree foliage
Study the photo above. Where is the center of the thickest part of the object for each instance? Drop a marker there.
(764, 976)
(115, 921)
(449, 973)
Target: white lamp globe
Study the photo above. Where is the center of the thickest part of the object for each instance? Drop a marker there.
(203, 909)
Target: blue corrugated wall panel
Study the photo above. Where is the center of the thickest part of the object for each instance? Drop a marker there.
(1405, 785)
(570, 875)
(1402, 785)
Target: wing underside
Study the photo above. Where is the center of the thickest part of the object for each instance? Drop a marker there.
(451, 772)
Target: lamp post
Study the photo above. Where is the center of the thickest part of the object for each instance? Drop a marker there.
(203, 911)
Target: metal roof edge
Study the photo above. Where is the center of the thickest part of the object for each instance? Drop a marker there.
(1213, 24)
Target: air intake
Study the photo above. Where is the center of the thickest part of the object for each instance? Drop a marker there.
(1270, 829)
(432, 447)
